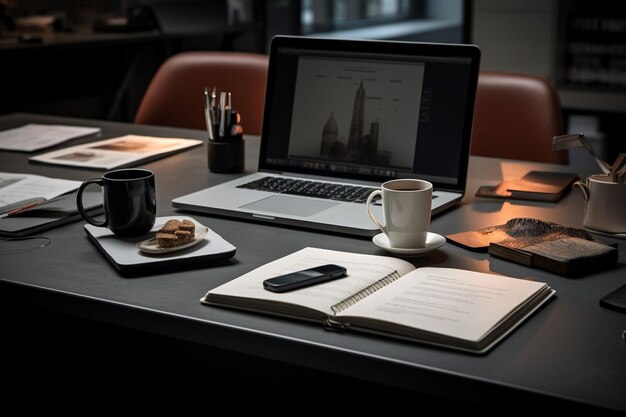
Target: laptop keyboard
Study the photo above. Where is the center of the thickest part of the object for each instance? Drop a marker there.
(327, 190)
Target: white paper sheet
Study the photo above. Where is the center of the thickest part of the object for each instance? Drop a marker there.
(117, 152)
(32, 137)
(18, 187)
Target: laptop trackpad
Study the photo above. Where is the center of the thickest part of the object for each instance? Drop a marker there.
(290, 205)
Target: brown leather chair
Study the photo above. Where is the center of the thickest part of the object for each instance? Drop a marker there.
(516, 117)
(175, 96)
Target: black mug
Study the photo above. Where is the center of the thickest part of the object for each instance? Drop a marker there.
(129, 201)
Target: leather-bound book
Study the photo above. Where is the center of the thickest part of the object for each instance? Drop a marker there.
(563, 250)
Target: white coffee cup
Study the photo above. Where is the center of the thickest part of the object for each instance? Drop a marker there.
(406, 209)
(605, 204)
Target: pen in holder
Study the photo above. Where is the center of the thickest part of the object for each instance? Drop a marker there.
(226, 150)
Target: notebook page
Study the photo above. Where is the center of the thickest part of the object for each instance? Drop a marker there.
(451, 302)
(363, 270)
(17, 187)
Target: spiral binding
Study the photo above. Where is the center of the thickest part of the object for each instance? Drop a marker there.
(370, 289)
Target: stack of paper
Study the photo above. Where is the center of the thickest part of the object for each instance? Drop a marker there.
(33, 137)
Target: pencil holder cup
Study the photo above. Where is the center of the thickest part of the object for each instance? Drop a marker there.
(227, 156)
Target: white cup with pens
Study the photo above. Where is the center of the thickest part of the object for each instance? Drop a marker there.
(226, 144)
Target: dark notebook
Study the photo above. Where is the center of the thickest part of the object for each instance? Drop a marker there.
(616, 300)
(534, 186)
(47, 215)
(563, 250)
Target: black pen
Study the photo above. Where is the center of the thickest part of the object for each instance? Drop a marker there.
(227, 110)
(214, 106)
(222, 109)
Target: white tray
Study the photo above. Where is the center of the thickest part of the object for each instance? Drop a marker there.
(126, 257)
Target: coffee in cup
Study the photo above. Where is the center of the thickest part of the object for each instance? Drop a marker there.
(406, 210)
(129, 201)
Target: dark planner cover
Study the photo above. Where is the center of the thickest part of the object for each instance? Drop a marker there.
(53, 213)
(563, 250)
(616, 300)
(534, 186)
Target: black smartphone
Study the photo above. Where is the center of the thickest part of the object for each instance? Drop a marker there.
(304, 278)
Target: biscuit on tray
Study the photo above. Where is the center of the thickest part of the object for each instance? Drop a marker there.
(175, 233)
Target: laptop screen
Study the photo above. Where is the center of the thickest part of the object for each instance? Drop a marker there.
(370, 110)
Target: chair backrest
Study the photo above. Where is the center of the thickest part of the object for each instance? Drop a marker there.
(515, 117)
(175, 96)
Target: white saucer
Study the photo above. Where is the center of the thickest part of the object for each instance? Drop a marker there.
(433, 241)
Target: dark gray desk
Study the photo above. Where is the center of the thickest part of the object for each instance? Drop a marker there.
(570, 351)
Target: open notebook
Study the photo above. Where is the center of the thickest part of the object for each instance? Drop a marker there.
(459, 309)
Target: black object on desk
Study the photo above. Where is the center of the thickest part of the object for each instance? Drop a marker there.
(226, 156)
(51, 214)
(226, 146)
(129, 201)
(304, 278)
(615, 300)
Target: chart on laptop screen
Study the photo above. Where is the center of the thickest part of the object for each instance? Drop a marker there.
(350, 112)
(370, 111)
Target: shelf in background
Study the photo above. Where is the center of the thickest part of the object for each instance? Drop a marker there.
(577, 98)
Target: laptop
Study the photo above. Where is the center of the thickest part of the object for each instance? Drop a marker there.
(343, 116)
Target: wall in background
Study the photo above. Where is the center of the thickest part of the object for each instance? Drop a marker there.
(532, 36)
